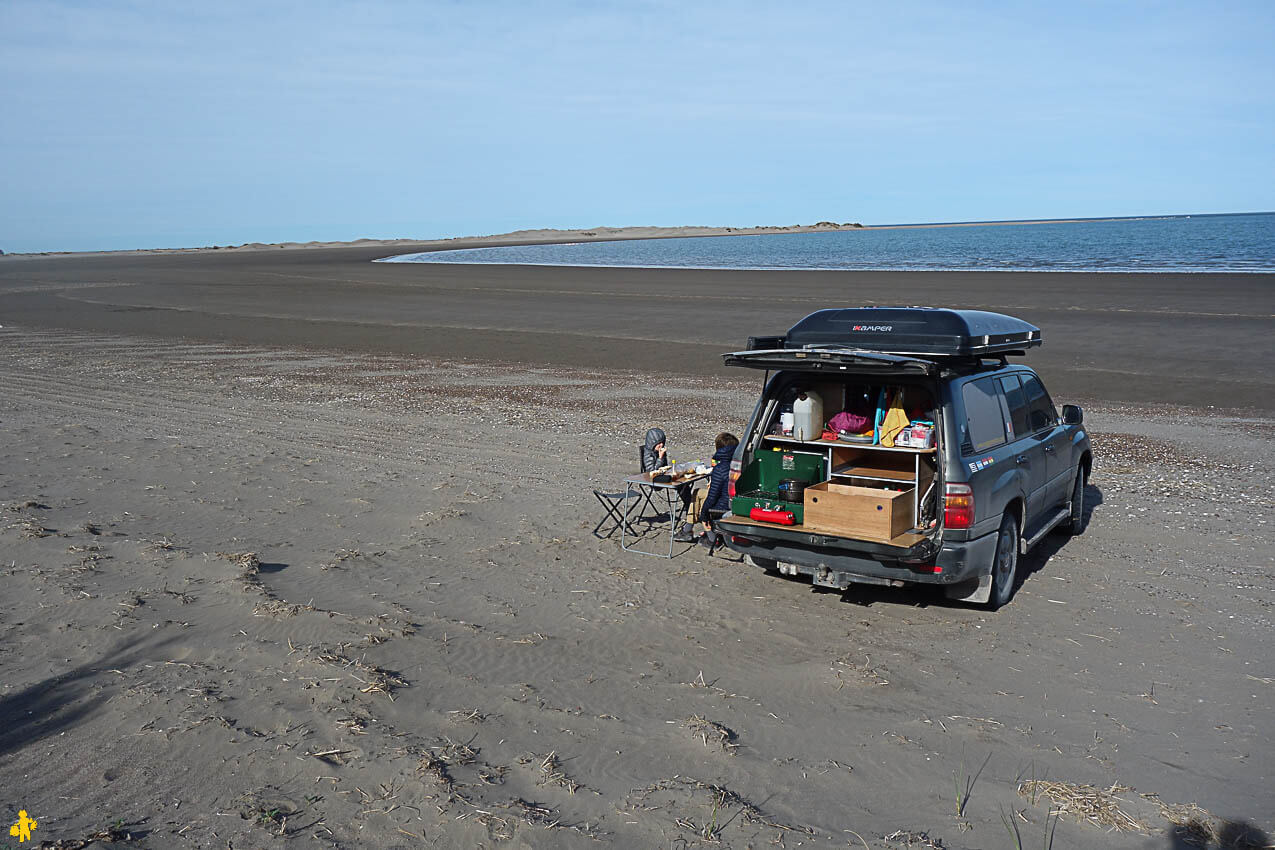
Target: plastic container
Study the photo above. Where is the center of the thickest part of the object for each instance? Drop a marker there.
(807, 416)
(918, 435)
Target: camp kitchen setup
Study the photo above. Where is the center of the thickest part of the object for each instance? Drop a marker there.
(845, 439)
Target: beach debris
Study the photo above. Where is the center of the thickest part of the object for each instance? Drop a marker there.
(551, 773)
(466, 715)
(246, 561)
(31, 529)
(29, 504)
(279, 608)
(717, 799)
(908, 838)
(713, 733)
(1098, 806)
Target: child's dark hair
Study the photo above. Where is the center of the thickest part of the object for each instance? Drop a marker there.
(724, 439)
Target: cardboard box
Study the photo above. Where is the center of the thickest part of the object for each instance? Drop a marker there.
(865, 513)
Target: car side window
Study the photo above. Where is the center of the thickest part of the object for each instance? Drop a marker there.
(1040, 410)
(985, 425)
(1017, 401)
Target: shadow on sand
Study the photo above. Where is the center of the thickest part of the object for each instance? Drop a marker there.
(1231, 835)
(921, 595)
(60, 702)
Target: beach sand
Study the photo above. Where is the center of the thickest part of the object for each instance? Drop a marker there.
(297, 551)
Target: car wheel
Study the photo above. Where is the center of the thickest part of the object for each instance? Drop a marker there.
(1076, 524)
(1004, 563)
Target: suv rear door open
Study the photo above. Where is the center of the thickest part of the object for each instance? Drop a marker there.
(832, 359)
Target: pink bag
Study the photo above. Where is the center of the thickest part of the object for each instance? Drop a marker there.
(847, 421)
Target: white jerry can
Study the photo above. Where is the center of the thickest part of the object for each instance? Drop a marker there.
(807, 416)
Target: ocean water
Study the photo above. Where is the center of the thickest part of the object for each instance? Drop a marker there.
(1207, 243)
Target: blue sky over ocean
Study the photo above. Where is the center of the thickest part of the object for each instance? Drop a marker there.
(147, 124)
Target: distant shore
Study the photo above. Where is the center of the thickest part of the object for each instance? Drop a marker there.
(548, 236)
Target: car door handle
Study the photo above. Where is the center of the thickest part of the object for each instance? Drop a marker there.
(1021, 459)
(1049, 448)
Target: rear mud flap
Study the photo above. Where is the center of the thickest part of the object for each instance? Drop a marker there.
(977, 590)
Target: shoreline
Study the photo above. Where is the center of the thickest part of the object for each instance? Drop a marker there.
(552, 236)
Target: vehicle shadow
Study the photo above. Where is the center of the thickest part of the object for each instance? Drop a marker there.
(59, 702)
(1035, 560)
(924, 595)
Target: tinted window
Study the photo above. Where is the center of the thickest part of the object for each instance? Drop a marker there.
(985, 426)
(1017, 401)
(1040, 410)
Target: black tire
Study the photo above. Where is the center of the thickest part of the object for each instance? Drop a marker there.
(1076, 524)
(1004, 563)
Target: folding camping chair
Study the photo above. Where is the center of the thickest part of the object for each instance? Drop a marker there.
(614, 506)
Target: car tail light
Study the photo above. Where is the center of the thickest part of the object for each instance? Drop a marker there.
(736, 467)
(958, 506)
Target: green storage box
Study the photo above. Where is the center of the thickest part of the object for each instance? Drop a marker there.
(758, 484)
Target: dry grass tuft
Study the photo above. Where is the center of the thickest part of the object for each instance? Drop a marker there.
(466, 715)
(438, 761)
(551, 773)
(375, 680)
(1085, 802)
(711, 732)
(31, 529)
(249, 569)
(907, 838)
(246, 561)
(279, 608)
(341, 556)
(720, 803)
(29, 504)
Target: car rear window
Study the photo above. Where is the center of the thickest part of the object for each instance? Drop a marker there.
(1017, 401)
(984, 422)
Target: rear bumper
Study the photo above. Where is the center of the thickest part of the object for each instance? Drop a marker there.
(844, 563)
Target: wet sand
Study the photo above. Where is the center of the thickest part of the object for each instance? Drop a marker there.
(1187, 339)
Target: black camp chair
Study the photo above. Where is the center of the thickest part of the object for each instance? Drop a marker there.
(614, 506)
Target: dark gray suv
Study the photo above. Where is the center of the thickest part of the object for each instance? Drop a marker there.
(898, 445)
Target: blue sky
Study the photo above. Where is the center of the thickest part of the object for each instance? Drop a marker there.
(152, 124)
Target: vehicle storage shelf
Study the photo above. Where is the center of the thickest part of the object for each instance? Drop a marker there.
(842, 444)
(895, 468)
(874, 473)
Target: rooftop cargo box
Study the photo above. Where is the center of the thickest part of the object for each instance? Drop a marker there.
(925, 331)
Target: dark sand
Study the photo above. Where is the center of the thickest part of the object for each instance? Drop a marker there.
(1189, 339)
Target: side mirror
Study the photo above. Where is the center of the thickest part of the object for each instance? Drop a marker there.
(1072, 414)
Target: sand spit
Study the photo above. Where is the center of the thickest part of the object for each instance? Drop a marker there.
(545, 236)
(259, 596)
(517, 237)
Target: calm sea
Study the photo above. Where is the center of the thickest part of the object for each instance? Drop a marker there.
(1206, 243)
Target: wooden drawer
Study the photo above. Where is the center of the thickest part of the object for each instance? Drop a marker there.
(867, 513)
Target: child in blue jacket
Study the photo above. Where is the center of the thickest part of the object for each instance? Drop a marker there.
(717, 502)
